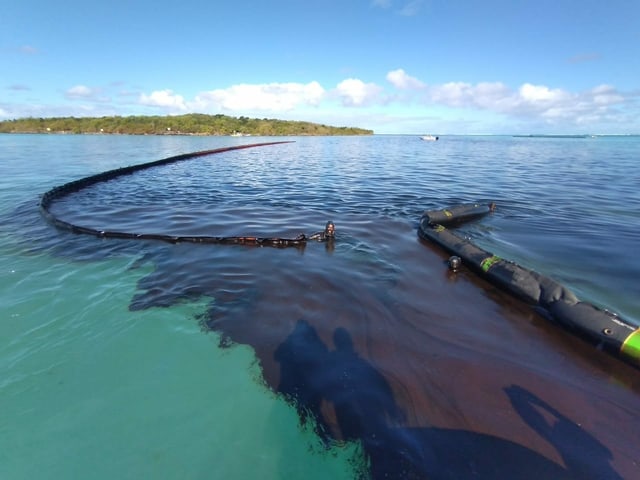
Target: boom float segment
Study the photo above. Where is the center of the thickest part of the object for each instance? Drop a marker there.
(602, 327)
(58, 192)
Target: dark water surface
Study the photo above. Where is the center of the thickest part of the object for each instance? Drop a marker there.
(371, 340)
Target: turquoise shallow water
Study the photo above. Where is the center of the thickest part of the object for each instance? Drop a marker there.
(105, 367)
(90, 389)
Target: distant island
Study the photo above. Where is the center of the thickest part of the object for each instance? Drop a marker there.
(189, 124)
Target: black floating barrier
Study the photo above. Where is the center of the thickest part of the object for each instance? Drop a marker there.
(56, 193)
(602, 327)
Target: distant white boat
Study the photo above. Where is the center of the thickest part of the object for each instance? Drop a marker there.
(429, 138)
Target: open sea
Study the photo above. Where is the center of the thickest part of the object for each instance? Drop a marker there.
(365, 358)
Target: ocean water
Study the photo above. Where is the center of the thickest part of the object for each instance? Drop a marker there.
(365, 358)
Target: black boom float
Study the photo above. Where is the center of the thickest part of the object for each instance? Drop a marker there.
(58, 192)
(602, 327)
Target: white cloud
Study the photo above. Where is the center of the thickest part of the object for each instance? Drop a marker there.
(540, 94)
(406, 9)
(532, 102)
(491, 95)
(411, 8)
(401, 80)
(163, 98)
(87, 94)
(276, 97)
(452, 94)
(606, 95)
(79, 91)
(557, 105)
(356, 93)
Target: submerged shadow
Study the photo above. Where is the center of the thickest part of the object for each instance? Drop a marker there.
(302, 359)
(583, 455)
(338, 387)
(350, 400)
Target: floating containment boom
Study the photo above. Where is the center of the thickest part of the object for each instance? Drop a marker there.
(58, 192)
(604, 328)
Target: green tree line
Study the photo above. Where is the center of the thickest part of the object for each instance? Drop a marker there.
(190, 124)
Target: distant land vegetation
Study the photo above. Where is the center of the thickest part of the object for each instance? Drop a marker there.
(190, 124)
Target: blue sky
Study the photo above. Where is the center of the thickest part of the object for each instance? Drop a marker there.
(393, 66)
